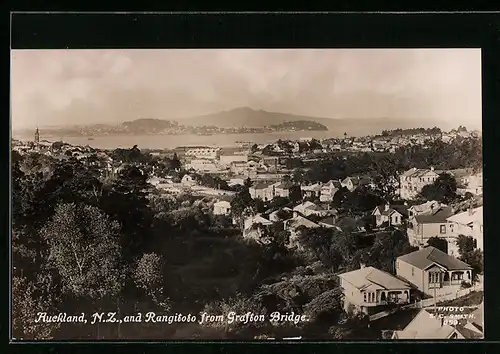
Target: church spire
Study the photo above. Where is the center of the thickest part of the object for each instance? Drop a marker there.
(37, 135)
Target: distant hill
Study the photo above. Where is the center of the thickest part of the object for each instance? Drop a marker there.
(148, 125)
(247, 117)
(241, 120)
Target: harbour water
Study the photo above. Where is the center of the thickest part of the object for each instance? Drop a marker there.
(173, 141)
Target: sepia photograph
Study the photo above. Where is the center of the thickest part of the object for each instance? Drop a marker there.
(246, 194)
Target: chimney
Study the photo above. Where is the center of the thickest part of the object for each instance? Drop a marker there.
(387, 206)
(432, 168)
(471, 211)
(361, 265)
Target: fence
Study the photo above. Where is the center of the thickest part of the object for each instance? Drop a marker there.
(478, 286)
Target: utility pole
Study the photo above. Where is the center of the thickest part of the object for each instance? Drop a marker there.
(435, 301)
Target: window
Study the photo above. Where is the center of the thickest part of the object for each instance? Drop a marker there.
(434, 278)
(412, 271)
(442, 229)
(475, 243)
(365, 297)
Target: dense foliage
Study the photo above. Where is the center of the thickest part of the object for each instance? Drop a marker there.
(85, 240)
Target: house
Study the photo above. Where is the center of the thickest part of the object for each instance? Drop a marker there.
(423, 226)
(478, 318)
(351, 183)
(370, 287)
(283, 189)
(202, 165)
(309, 208)
(433, 272)
(240, 168)
(188, 180)
(468, 223)
(236, 182)
(330, 220)
(472, 183)
(328, 190)
(262, 190)
(254, 225)
(294, 226)
(412, 181)
(424, 208)
(223, 206)
(390, 214)
(429, 325)
(311, 191)
(461, 175)
(202, 152)
(229, 155)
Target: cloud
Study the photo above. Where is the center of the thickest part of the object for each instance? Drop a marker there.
(55, 87)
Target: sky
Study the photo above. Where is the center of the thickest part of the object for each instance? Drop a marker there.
(74, 87)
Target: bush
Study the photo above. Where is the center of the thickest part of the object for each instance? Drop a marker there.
(466, 285)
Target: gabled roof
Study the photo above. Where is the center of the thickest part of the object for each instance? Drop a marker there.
(314, 187)
(478, 320)
(419, 172)
(461, 172)
(261, 185)
(306, 205)
(427, 206)
(333, 183)
(425, 326)
(258, 219)
(468, 217)
(438, 216)
(370, 276)
(225, 198)
(428, 256)
(401, 209)
(285, 185)
(302, 221)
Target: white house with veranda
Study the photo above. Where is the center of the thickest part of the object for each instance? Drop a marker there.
(369, 287)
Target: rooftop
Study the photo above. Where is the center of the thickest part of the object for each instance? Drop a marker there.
(424, 326)
(468, 217)
(364, 277)
(428, 256)
(436, 216)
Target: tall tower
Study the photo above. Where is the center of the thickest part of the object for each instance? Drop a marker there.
(37, 136)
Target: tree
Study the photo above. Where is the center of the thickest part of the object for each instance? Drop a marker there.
(295, 193)
(84, 248)
(126, 202)
(175, 163)
(148, 276)
(470, 254)
(443, 189)
(238, 304)
(439, 243)
(329, 246)
(465, 245)
(476, 260)
(27, 302)
(240, 202)
(326, 307)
